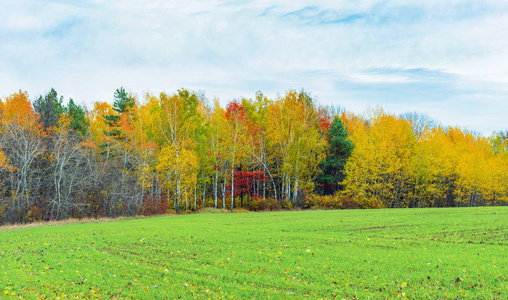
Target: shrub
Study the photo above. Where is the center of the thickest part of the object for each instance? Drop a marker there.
(264, 204)
(338, 201)
(287, 204)
(154, 206)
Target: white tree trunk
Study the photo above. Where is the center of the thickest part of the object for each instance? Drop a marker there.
(215, 184)
(295, 191)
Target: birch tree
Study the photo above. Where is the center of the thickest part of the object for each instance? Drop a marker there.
(177, 120)
(296, 145)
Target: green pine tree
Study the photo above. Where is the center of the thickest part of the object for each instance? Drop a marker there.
(339, 150)
(76, 114)
(122, 102)
(49, 108)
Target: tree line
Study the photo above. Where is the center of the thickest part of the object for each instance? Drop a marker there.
(179, 151)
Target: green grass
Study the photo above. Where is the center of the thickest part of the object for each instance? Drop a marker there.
(364, 254)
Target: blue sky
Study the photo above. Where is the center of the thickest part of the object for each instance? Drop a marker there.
(445, 58)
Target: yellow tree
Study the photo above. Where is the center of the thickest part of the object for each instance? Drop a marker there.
(474, 172)
(4, 161)
(379, 168)
(498, 170)
(204, 150)
(257, 113)
(99, 128)
(433, 168)
(175, 126)
(217, 139)
(179, 171)
(295, 142)
(110, 129)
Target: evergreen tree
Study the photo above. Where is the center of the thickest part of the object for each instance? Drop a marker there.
(121, 104)
(79, 122)
(49, 108)
(122, 101)
(339, 150)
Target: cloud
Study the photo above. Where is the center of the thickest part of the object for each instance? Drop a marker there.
(430, 56)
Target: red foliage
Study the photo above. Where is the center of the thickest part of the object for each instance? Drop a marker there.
(325, 126)
(150, 146)
(154, 206)
(254, 129)
(235, 111)
(244, 183)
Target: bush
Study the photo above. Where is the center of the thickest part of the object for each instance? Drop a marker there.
(338, 201)
(154, 206)
(370, 203)
(287, 204)
(264, 204)
(323, 202)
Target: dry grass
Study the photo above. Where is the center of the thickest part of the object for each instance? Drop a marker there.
(64, 222)
(207, 210)
(212, 210)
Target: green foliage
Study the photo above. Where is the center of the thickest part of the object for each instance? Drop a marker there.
(121, 104)
(451, 253)
(78, 120)
(123, 101)
(339, 150)
(190, 103)
(50, 108)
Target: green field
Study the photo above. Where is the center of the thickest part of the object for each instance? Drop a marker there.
(364, 254)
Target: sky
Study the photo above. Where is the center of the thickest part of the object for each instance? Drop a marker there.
(448, 59)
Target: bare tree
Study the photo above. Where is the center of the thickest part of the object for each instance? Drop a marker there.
(420, 122)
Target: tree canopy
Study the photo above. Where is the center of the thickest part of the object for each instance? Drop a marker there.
(180, 151)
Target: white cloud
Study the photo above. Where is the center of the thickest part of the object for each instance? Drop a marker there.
(353, 53)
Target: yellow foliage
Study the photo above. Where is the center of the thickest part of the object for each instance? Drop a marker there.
(379, 166)
(178, 168)
(294, 139)
(4, 163)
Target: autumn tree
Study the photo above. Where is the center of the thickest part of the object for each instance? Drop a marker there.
(117, 155)
(379, 167)
(257, 110)
(237, 126)
(204, 150)
(295, 142)
(122, 103)
(21, 142)
(218, 149)
(177, 121)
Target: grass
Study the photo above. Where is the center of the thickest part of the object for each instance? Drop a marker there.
(450, 253)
